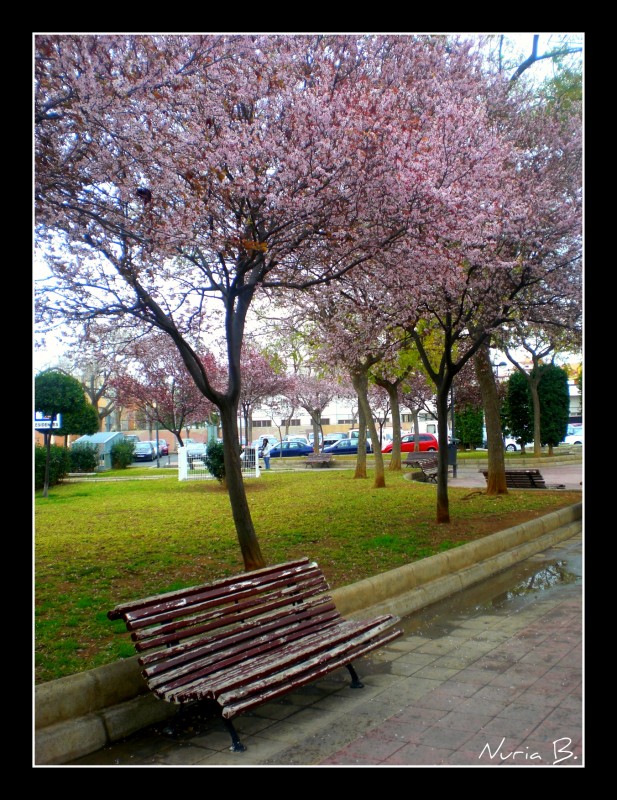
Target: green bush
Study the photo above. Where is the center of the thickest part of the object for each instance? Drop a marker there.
(84, 457)
(59, 465)
(214, 460)
(122, 454)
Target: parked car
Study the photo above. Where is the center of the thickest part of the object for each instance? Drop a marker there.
(162, 445)
(144, 451)
(576, 437)
(332, 438)
(428, 443)
(345, 447)
(290, 449)
(130, 437)
(194, 449)
(292, 438)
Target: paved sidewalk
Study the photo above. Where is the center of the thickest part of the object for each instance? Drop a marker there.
(490, 677)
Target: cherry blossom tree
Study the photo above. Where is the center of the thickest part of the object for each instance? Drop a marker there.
(259, 382)
(313, 394)
(507, 221)
(351, 334)
(178, 176)
(160, 386)
(97, 356)
(416, 393)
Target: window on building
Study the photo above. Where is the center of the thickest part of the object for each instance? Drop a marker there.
(325, 420)
(289, 423)
(345, 422)
(262, 423)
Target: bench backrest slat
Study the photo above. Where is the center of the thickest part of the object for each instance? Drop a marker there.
(522, 478)
(212, 623)
(290, 569)
(212, 610)
(239, 597)
(314, 616)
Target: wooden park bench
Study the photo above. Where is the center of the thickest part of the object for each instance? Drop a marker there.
(245, 640)
(525, 479)
(319, 460)
(427, 463)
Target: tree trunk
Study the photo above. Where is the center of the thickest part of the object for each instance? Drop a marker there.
(360, 384)
(395, 455)
(361, 457)
(317, 432)
(247, 538)
(443, 503)
(496, 483)
(47, 440)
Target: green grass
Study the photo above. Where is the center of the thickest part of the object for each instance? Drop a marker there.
(100, 543)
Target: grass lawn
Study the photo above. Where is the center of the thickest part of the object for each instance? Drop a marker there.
(100, 543)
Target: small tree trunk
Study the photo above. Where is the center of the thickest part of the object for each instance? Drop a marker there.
(361, 457)
(47, 440)
(496, 483)
(247, 538)
(316, 431)
(395, 456)
(360, 384)
(443, 503)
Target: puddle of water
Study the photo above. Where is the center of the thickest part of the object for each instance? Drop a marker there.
(552, 575)
(508, 589)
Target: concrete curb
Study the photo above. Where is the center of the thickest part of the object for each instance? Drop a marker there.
(76, 715)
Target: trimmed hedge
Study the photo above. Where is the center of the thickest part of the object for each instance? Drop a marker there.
(122, 454)
(84, 457)
(59, 465)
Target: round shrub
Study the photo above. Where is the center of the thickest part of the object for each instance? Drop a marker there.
(84, 457)
(122, 454)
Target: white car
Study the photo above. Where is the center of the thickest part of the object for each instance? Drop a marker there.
(576, 437)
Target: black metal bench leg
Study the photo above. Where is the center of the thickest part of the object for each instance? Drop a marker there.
(356, 683)
(236, 746)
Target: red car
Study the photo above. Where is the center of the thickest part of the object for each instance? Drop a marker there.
(428, 443)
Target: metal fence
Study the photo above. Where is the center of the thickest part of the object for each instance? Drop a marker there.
(194, 469)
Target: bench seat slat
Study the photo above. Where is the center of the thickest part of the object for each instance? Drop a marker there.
(262, 670)
(269, 657)
(292, 679)
(221, 654)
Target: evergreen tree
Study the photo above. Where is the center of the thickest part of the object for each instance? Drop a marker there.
(517, 409)
(55, 393)
(554, 404)
(469, 426)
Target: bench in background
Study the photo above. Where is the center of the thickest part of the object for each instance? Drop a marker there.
(525, 479)
(427, 463)
(319, 460)
(245, 640)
